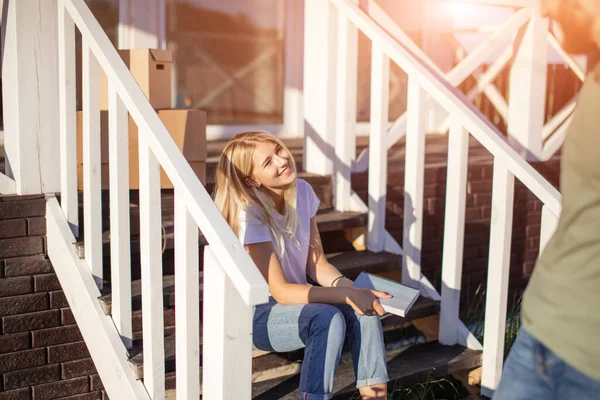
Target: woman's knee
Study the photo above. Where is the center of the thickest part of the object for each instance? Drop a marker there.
(328, 319)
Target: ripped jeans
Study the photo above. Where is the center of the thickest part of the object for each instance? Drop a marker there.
(321, 329)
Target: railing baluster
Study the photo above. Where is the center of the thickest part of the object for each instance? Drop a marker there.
(92, 190)
(414, 170)
(120, 238)
(497, 281)
(549, 224)
(227, 330)
(68, 131)
(454, 229)
(187, 299)
(380, 81)
(345, 147)
(151, 259)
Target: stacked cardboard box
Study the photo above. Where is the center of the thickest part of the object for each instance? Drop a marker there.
(152, 71)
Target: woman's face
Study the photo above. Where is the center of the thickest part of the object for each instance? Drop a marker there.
(272, 166)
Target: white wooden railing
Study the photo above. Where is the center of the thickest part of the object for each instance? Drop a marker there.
(554, 131)
(232, 283)
(426, 84)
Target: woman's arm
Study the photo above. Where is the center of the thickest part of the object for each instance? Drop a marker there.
(317, 267)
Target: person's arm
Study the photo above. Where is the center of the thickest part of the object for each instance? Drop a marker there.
(317, 267)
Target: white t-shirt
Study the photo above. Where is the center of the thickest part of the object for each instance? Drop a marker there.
(295, 255)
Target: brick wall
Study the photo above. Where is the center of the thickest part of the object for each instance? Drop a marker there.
(526, 222)
(42, 353)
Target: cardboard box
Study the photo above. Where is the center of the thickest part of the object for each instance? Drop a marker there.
(151, 69)
(187, 128)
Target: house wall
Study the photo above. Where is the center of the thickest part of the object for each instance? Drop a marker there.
(526, 222)
(42, 353)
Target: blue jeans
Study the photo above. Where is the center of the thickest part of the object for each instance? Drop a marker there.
(532, 371)
(321, 329)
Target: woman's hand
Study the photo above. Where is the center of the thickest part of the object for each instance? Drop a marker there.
(364, 301)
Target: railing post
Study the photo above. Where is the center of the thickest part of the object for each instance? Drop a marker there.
(414, 170)
(227, 335)
(454, 232)
(380, 81)
(320, 49)
(345, 138)
(527, 92)
(92, 190)
(30, 93)
(497, 280)
(120, 246)
(187, 300)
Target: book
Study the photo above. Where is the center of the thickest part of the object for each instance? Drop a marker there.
(403, 296)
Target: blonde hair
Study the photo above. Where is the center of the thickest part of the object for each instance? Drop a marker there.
(233, 195)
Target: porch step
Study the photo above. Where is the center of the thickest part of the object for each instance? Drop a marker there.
(277, 364)
(415, 364)
(349, 263)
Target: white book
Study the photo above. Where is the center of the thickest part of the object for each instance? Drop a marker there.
(403, 296)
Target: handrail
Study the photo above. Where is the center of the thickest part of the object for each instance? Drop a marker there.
(235, 261)
(448, 97)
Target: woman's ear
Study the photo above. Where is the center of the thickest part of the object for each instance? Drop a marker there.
(252, 182)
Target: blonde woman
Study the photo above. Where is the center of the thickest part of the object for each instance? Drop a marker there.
(273, 214)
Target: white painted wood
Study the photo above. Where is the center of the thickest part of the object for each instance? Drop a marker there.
(454, 232)
(549, 224)
(92, 190)
(527, 94)
(294, 68)
(224, 132)
(120, 251)
(151, 261)
(506, 3)
(123, 39)
(187, 299)
(7, 185)
(558, 118)
(68, 129)
(30, 93)
(320, 49)
(236, 262)
(227, 330)
(487, 135)
(572, 62)
(377, 189)
(556, 141)
(99, 333)
(498, 272)
(414, 170)
(142, 24)
(345, 138)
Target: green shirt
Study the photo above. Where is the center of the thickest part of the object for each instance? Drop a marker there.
(562, 302)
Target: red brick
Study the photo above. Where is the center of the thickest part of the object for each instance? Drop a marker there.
(15, 286)
(85, 396)
(21, 197)
(36, 226)
(23, 304)
(74, 369)
(104, 395)
(479, 187)
(22, 209)
(46, 283)
(58, 299)
(27, 266)
(11, 228)
(67, 352)
(95, 382)
(31, 376)
(16, 342)
(58, 389)
(18, 247)
(19, 394)
(31, 321)
(54, 336)
(66, 317)
(22, 359)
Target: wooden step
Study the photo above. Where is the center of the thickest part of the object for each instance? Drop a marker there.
(350, 264)
(413, 365)
(327, 221)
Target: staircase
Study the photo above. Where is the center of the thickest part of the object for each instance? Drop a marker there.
(411, 357)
